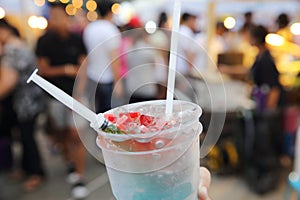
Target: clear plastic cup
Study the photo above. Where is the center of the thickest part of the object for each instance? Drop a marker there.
(157, 165)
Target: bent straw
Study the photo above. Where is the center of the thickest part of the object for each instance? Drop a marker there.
(97, 121)
(173, 58)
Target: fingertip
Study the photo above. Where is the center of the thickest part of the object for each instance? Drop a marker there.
(205, 177)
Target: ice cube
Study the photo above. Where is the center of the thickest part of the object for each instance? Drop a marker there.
(146, 120)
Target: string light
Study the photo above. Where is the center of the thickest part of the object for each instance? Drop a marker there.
(70, 9)
(77, 3)
(78, 11)
(39, 3)
(92, 15)
(116, 8)
(65, 1)
(91, 5)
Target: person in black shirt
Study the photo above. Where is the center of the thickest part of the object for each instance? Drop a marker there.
(264, 72)
(60, 55)
(268, 91)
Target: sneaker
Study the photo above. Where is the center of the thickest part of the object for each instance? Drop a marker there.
(73, 178)
(79, 191)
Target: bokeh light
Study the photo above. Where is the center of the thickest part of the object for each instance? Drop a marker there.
(150, 27)
(295, 28)
(2, 13)
(77, 3)
(70, 9)
(37, 22)
(126, 12)
(91, 5)
(42, 23)
(39, 3)
(32, 21)
(51, 0)
(92, 15)
(274, 39)
(64, 1)
(116, 8)
(229, 22)
(78, 11)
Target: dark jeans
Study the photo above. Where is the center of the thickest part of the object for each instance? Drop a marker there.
(102, 93)
(104, 96)
(31, 159)
(6, 157)
(7, 119)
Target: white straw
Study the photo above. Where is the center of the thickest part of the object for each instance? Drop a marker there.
(64, 98)
(173, 58)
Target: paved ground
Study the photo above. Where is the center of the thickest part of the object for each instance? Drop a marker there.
(55, 188)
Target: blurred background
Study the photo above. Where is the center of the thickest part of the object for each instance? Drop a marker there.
(233, 174)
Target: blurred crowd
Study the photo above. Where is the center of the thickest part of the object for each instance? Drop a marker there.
(105, 65)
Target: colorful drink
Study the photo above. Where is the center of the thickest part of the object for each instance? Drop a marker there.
(160, 164)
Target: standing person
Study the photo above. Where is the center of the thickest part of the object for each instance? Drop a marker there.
(22, 104)
(60, 54)
(283, 28)
(264, 72)
(141, 83)
(269, 96)
(186, 46)
(103, 39)
(268, 93)
(248, 21)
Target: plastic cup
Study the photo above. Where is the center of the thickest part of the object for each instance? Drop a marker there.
(157, 165)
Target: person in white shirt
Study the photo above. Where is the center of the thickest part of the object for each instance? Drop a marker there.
(186, 44)
(102, 39)
(141, 83)
(217, 46)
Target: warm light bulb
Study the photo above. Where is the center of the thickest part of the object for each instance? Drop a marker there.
(39, 3)
(116, 8)
(65, 1)
(274, 39)
(92, 15)
(77, 3)
(91, 5)
(70, 9)
(229, 22)
(295, 28)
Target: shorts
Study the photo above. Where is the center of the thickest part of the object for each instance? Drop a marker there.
(62, 117)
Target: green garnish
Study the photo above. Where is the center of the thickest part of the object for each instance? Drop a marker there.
(112, 129)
